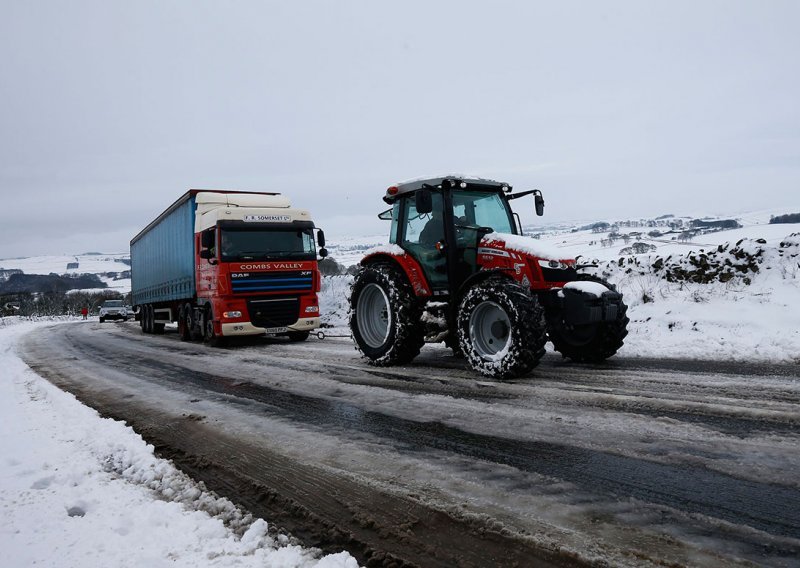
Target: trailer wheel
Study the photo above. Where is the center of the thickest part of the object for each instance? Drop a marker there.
(209, 335)
(147, 318)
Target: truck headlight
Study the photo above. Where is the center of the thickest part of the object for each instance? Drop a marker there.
(233, 314)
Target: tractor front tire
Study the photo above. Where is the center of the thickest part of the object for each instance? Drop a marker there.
(385, 316)
(501, 328)
(590, 343)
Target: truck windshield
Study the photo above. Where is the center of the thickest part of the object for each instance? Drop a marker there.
(267, 244)
(482, 209)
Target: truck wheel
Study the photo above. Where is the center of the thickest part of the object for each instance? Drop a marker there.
(385, 316)
(590, 343)
(298, 335)
(102, 319)
(501, 328)
(185, 322)
(209, 335)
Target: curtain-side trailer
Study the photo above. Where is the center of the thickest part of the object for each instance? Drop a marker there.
(228, 263)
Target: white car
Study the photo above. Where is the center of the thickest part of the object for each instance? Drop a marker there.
(113, 309)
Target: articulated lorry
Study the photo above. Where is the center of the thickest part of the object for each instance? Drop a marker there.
(228, 263)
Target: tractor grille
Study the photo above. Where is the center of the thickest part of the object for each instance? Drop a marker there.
(245, 283)
(273, 312)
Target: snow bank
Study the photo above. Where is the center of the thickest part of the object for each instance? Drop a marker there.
(80, 490)
(736, 302)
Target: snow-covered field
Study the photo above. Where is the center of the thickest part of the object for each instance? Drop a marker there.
(79, 490)
(100, 264)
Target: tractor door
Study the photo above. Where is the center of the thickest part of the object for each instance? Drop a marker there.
(419, 236)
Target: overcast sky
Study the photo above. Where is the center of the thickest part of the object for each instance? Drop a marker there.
(110, 110)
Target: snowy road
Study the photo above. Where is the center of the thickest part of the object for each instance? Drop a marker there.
(637, 462)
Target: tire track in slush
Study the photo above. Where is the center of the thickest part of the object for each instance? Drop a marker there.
(767, 507)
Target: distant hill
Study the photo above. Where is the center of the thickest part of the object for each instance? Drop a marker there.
(89, 271)
(49, 283)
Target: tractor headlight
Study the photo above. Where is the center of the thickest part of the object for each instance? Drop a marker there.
(233, 314)
(553, 264)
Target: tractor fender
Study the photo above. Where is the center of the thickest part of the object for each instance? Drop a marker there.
(409, 266)
(480, 276)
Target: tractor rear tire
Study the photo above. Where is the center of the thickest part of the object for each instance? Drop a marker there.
(501, 328)
(590, 343)
(385, 316)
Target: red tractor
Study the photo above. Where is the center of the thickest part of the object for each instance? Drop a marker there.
(458, 270)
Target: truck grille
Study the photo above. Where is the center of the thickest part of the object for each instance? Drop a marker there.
(250, 282)
(273, 312)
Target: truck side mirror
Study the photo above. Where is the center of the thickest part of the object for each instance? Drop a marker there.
(424, 201)
(323, 252)
(321, 238)
(538, 201)
(206, 253)
(207, 240)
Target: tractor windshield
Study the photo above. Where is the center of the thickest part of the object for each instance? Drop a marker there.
(482, 209)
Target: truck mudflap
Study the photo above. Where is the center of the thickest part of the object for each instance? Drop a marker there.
(583, 304)
(247, 328)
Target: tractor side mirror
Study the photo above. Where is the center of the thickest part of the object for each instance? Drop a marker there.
(424, 201)
(538, 201)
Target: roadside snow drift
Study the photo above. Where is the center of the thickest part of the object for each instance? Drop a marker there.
(80, 490)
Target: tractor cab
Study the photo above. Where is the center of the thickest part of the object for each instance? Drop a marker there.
(440, 222)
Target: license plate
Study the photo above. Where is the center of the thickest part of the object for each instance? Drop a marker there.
(276, 330)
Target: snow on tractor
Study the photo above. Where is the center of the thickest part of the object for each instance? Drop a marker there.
(458, 270)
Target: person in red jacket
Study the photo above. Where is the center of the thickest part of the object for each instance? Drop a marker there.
(85, 312)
